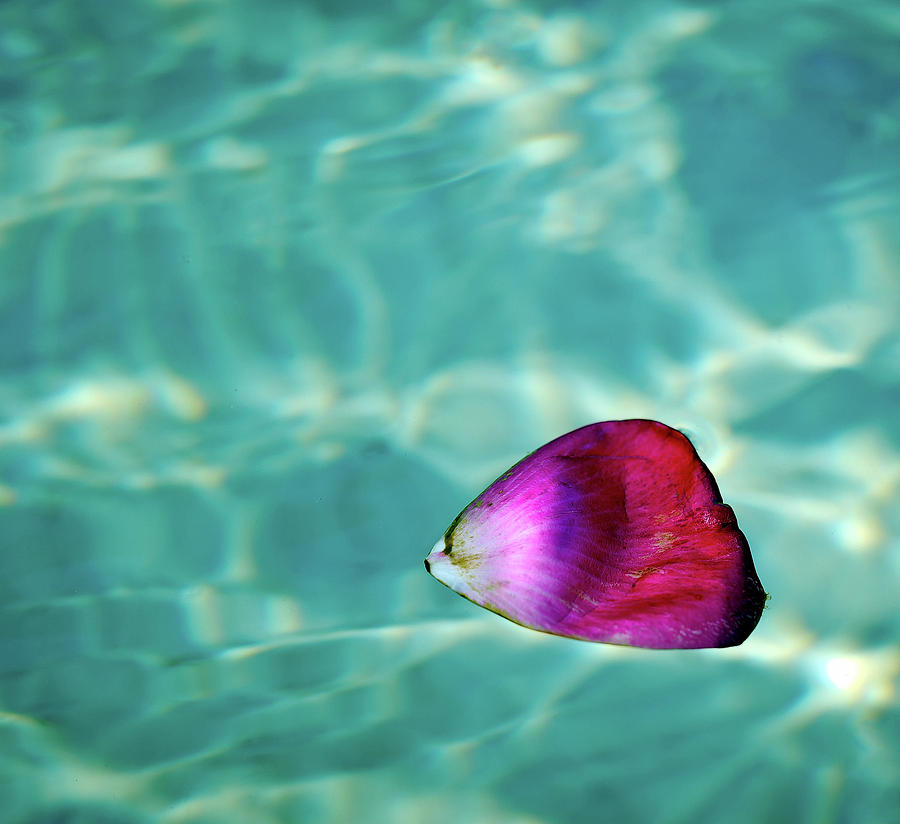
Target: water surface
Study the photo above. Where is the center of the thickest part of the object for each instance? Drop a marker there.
(284, 285)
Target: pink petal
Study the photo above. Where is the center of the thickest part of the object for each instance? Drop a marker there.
(615, 532)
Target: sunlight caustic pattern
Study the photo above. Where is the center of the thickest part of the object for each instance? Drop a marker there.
(284, 285)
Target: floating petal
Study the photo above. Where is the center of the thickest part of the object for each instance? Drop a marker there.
(616, 533)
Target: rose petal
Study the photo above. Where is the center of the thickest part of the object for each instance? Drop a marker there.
(615, 532)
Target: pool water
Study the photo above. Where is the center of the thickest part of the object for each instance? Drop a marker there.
(284, 285)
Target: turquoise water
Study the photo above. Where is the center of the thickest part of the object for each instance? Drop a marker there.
(284, 285)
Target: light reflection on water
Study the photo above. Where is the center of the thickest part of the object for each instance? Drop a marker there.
(283, 288)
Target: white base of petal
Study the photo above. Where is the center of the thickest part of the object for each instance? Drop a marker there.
(449, 574)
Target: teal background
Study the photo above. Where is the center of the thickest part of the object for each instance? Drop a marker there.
(284, 285)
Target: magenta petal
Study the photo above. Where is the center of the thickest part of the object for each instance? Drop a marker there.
(615, 532)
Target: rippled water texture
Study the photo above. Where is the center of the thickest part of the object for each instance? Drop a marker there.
(283, 285)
